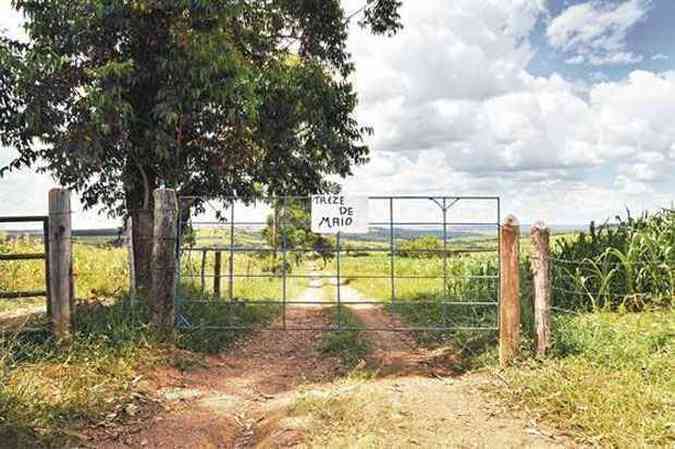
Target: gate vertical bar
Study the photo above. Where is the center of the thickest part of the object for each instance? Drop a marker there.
(446, 293)
(179, 247)
(337, 259)
(499, 264)
(231, 267)
(216, 274)
(45, 238)
(202, 274)
(284, 243)
(391, 250)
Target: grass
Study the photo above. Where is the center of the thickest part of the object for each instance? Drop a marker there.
(100, 271)
(418, 297)
(205, 318)
(45, 392)
(349, 345)
(254, 276)
(610, 380)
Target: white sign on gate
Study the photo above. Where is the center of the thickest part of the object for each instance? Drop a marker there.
(339, 213)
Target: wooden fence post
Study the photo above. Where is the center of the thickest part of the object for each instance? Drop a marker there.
(541, 269)
(61, 289)
(130, 256)
(509, 284)
(164, 260)
(216, 275)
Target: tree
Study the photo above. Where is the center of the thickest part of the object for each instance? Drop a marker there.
(10, 133)
(214, 98)
(289, 226)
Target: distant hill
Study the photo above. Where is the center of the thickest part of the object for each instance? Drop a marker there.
(382, 234)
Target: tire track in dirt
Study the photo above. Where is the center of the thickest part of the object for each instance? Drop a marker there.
(244, 399)
(394, 350)
(224, 404)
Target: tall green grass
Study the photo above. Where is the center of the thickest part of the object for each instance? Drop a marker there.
(350, 346)
(609, 380)
(255, 276)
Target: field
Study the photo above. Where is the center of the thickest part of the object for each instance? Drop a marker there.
(607, 382)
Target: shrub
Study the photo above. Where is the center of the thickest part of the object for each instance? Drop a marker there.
(426, 247)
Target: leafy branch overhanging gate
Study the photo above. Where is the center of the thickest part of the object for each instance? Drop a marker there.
(270, 263)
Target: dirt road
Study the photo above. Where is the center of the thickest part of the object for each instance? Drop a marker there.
(264, 392)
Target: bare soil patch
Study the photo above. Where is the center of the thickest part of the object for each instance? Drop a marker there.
(275, 390)
(220, 404)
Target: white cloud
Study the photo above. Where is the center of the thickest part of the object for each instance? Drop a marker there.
(660, 57)
(11, 22)
(456, 112)
(595, 32)
(554, 149)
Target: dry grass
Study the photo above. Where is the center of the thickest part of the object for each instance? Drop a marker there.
(100, 271)
(361, 412)
(45, 392)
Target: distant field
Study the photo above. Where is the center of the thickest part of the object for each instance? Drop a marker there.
(101, 269)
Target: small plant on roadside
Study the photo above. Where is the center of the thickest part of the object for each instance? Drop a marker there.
(348, 344)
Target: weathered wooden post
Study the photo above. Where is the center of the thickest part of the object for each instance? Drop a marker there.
(202, 275)
(130, 256)
(61, 288)
(164, 260)
(509, 284)
(216, 275)
(541, 269)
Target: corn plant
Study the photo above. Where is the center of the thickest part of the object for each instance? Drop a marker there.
(629, 264)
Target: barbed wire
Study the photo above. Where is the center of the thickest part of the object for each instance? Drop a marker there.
(563, 310)
(608, 294)
(618, 262)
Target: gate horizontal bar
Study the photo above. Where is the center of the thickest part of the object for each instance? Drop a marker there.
(328, 276)
(21, 295)
(28, 219)
(335, 303)
(249, 249)
(372, 223)
(307, 197)
(33, 256)
(340, 329)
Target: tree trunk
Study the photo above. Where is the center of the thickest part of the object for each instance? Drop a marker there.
(140, 206)
(142, 229)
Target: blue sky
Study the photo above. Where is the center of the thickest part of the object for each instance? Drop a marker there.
(562, 108)
(652, 37)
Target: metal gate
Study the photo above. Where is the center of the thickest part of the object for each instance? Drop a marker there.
(428, 263)
(25, 257)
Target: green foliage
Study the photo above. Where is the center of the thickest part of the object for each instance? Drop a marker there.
(350, 345)
(289, 227)
(628, 264)
(427, 247)
(215, 99)
(609, 381)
